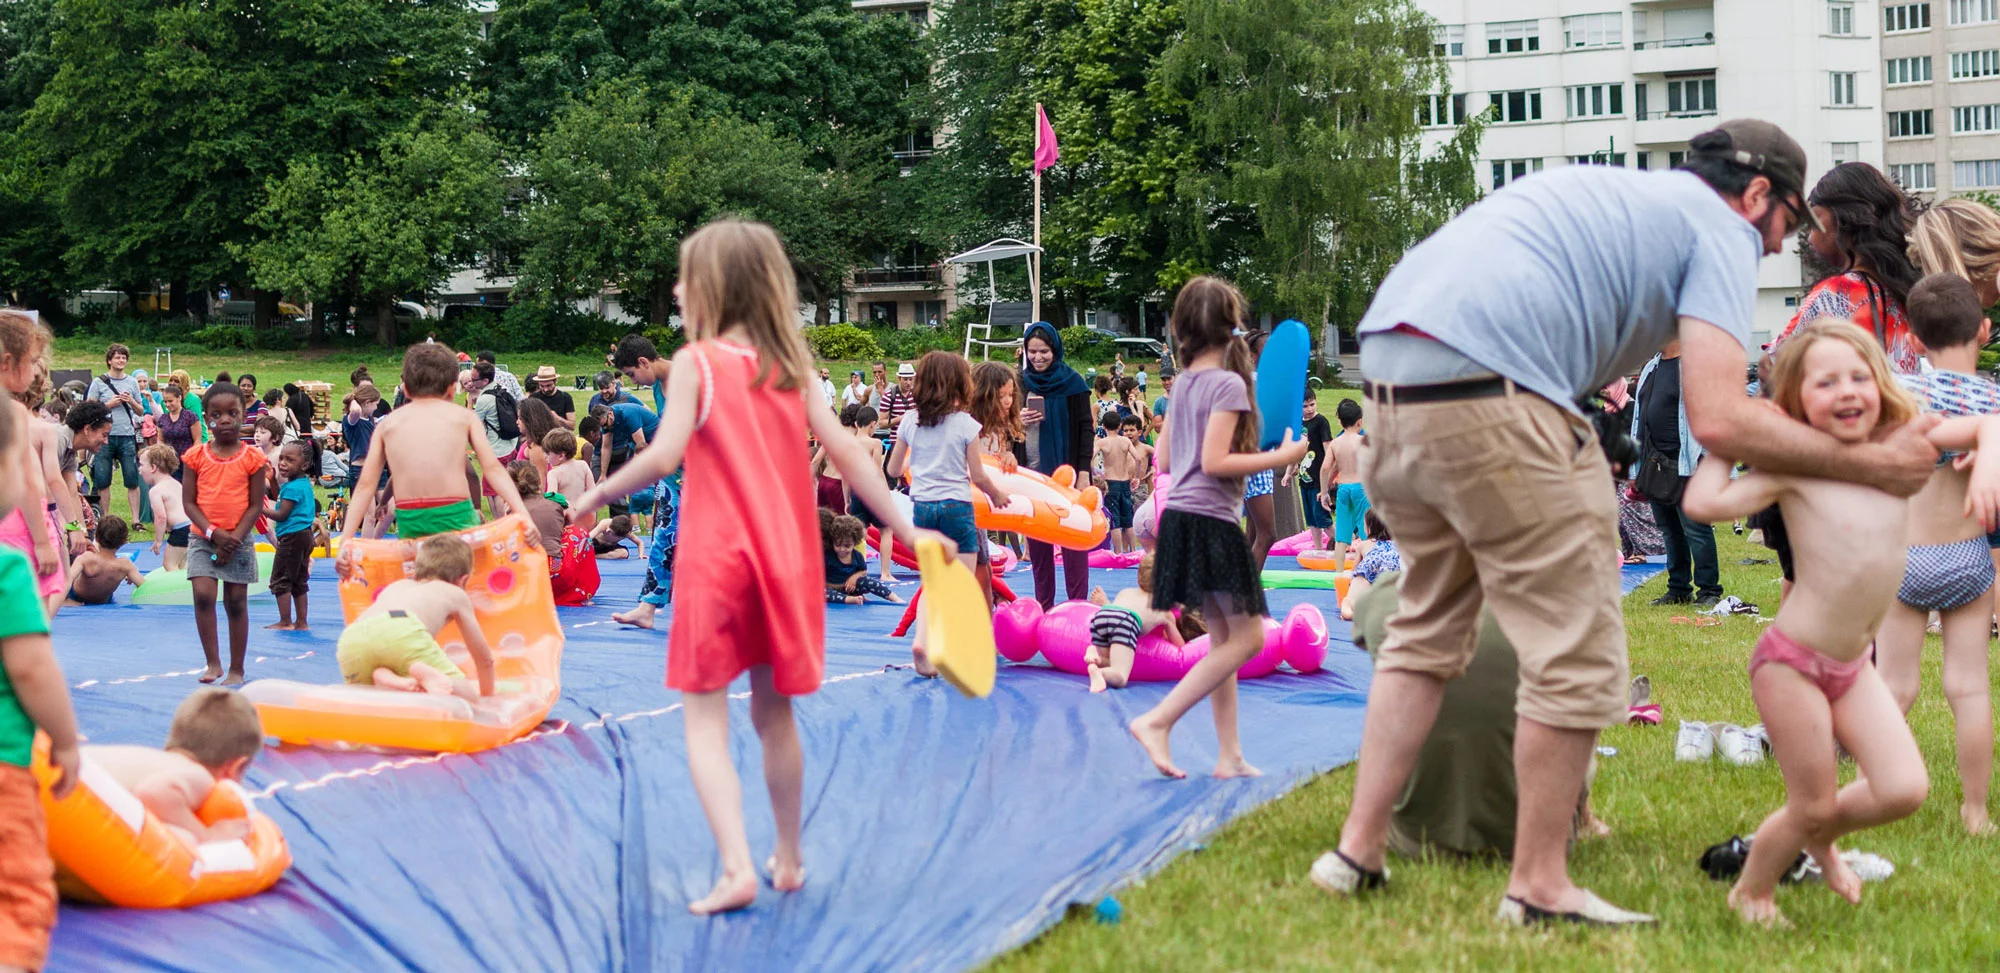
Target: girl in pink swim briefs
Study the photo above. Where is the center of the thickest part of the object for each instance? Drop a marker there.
(1810, 673)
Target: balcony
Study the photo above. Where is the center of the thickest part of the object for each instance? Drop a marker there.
(1674, 55)
(927, 277)
(1671, 128)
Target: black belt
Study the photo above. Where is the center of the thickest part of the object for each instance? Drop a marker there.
(1478, 388)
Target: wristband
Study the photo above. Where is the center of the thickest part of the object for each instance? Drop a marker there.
(72, 525)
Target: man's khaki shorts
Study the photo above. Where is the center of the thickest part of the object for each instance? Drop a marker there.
(1506, 501)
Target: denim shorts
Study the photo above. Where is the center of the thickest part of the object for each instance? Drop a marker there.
(953, 519)
(125, 451)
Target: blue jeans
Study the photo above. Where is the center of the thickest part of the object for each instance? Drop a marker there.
(1691, 564)
(659, 587)
(953, 519)
(124, 449)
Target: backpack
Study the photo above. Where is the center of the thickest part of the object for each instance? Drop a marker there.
(506, 414)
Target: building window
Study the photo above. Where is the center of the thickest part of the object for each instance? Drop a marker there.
(1441, 110)
(1448, 40)
(1593, 30)
(1508, 170)
(1846, 152)
(1911, 124)
(1915, 177)
(1907, 70)
(1840, 19)
(1674, 159)
(1842, 92)
(1514, 37)
(1600, 159)
(1976, 174)
(1515, 106)
(928, 313)
(1906, 16)
(1974, 11)
(880, 312)
(1691, 96)
(1595, 100)
(1974, 64)
(1975, 118)
(1644, 159)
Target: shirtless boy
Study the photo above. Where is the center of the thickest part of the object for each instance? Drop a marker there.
(157, 464)
(393, 645)
(419, 444)
(568, 475)
(1118, 461)
(214, 736)
(1342, 491)
(98, 572)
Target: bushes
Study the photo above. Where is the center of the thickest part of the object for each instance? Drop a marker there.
(911, 344)
(1082, 346)
(842, 342)
(221, 337)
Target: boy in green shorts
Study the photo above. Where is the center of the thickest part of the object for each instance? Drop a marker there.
(393, 644)
(422, 445)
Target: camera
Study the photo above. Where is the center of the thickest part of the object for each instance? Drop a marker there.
(1620, 449)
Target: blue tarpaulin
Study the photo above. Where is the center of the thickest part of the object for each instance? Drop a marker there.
(939, 830)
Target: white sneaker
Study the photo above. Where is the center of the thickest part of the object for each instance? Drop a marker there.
(1695, 742)
(1338, 875)
(1595, 912)
(1741, 746)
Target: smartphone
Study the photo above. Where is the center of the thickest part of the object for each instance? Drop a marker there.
(1036, 403)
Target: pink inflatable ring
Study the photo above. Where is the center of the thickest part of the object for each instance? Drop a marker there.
(1062, 636)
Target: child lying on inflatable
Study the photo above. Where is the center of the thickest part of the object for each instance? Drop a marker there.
(1115, 630)
(393, 644)
(214, 736)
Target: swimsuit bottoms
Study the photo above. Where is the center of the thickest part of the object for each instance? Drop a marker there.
(391, 640)
(1113, 625)
(1942, 577)
(1834, 679)
(81, 600)
(178, 536)
(422, 518)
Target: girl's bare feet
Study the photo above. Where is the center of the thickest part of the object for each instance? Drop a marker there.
(278, 627)
(211, 674)
(1834, 871)
(1154, 740)
(731, 892)
(786, 878)
(1098, 598)
(1977, 824)
(1235, 767)
(235, 679)
(922, 661)
(1097, 684)
(640, 615)
(1757, 911)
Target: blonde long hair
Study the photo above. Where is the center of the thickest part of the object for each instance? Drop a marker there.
(1957, 236)
(735, 272)
(1788, 374)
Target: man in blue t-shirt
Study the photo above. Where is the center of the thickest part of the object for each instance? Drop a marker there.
(1476, 349)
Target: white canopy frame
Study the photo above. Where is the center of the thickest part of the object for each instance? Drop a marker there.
(1005, 248)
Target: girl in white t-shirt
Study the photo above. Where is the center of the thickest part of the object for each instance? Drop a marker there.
(937, 445)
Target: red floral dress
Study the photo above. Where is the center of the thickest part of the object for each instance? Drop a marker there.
(1851, 296)
(747, 520)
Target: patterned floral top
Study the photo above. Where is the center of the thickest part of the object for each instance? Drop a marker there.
(1850, 297)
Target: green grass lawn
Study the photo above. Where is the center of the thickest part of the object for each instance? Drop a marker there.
(1244, 903)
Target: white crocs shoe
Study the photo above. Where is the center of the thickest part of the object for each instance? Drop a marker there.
(1339, 875)
(1741, 746)
(1695, 742)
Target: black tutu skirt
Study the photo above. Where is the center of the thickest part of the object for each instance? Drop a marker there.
(1201, 557)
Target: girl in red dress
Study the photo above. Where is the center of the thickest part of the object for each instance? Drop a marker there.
(740, 399)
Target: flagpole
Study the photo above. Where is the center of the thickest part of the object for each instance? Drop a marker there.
(1035, 259)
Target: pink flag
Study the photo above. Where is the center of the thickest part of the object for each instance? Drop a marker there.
(1046, 152)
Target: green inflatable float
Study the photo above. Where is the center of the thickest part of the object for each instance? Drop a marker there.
(164, 587)
(1303, 579)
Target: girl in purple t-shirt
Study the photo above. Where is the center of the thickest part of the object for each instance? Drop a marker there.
(1202, 559)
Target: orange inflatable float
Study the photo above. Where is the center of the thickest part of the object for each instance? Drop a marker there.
(110, 850)
(1043, 508)
(1321, 561)
(510, 593)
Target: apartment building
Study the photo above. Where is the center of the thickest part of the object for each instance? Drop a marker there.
(1573, 82)
(1941, 95)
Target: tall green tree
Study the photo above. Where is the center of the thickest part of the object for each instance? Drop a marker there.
(32, 243)
(379, 225)
(624, 174)
(163, 123)
(1311, 105)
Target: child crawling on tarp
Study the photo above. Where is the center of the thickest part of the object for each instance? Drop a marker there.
(214, 736)
(393, 644)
